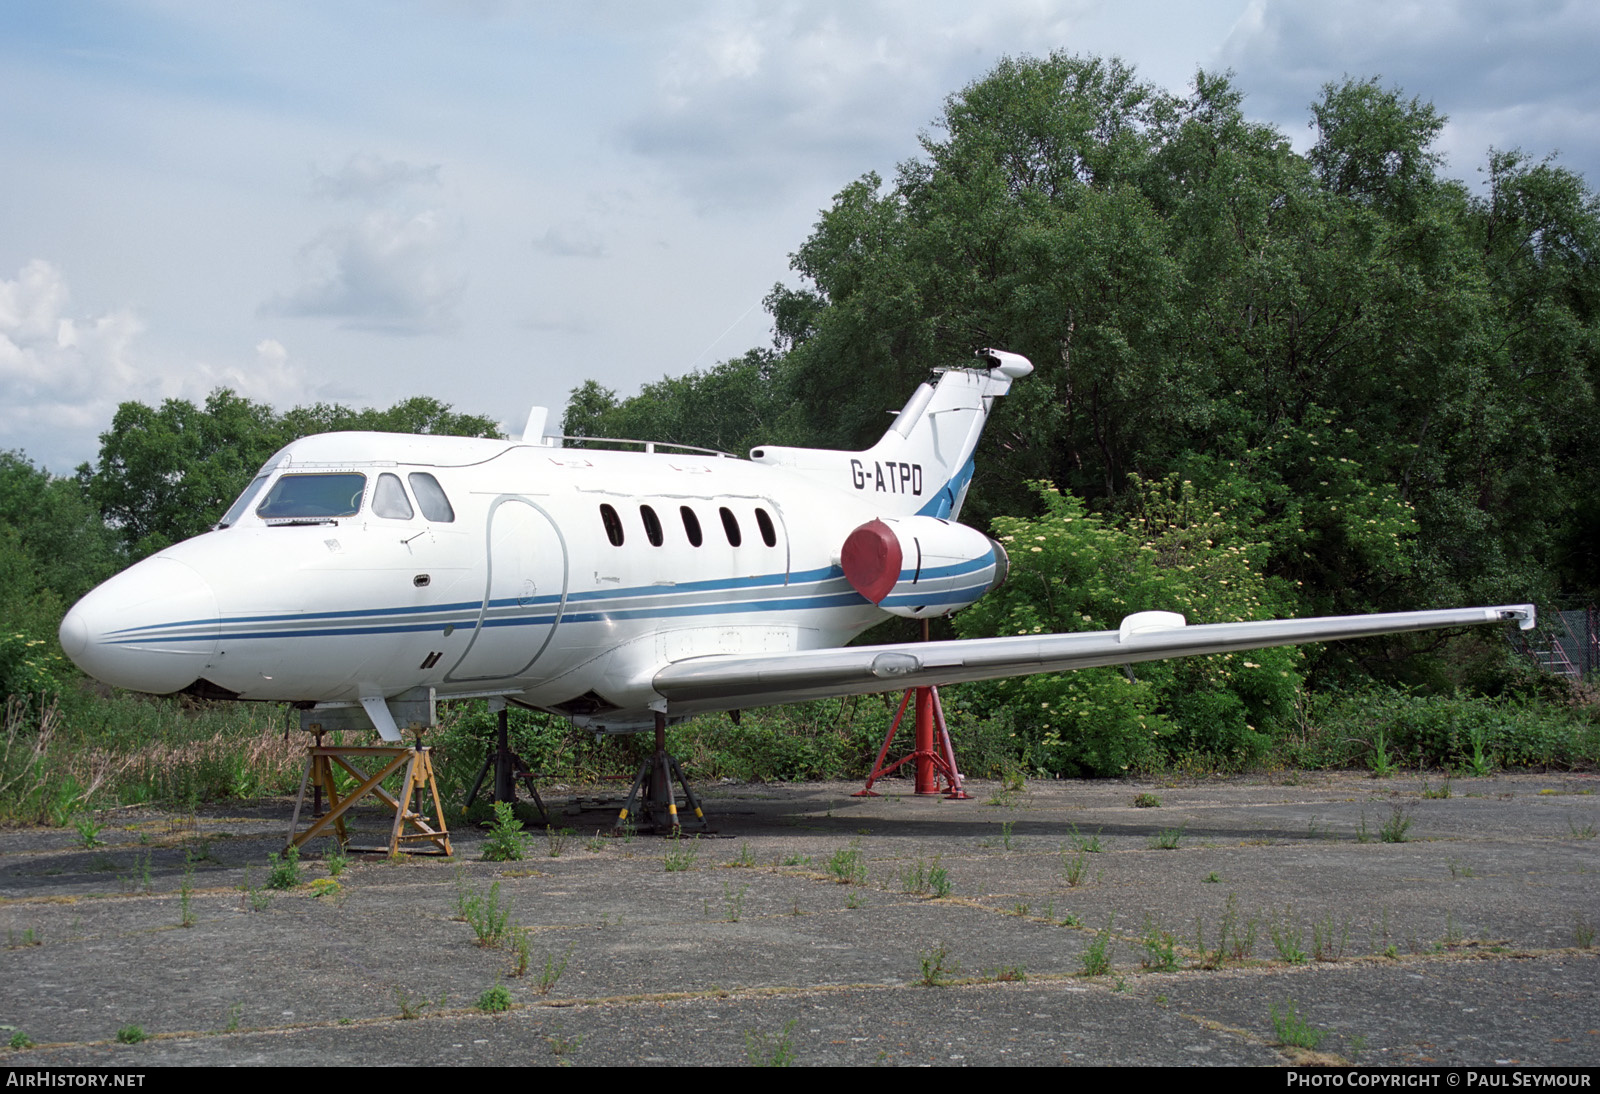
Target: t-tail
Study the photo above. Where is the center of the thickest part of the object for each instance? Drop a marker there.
(923, 464)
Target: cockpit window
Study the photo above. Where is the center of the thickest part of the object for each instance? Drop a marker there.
(389, 499)
(431, 498)
(242, 506)
(313, 497)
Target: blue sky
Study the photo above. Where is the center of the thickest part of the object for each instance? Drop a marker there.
(490, 202)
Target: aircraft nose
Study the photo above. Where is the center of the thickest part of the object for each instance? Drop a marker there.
(153, 627)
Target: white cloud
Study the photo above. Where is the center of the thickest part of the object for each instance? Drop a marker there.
(754, 99)
(387, 269)
(385, 272)
(571, 241)
(1508, 73)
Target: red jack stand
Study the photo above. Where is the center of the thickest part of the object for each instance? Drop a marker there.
(933, 759)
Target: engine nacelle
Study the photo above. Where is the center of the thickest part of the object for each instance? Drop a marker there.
(921, 567)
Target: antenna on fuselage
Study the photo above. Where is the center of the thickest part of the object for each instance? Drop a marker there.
(533, 432)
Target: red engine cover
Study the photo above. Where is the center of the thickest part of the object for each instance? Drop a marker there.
(871, 560)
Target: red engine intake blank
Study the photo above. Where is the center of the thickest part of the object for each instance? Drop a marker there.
(871, 560)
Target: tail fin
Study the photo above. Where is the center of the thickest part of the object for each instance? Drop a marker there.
(924, 462)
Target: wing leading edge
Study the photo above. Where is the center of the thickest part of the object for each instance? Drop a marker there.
(725, 682)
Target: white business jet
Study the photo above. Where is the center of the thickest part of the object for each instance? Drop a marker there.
(370, 573)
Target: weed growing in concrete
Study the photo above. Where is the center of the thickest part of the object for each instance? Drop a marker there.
(16, 941)
(563, 1047)
(847, 866)
(235, 1014)
(495, 1000)
(255, 899)
(1070, 920)
(1235, 941)
(521, 945)
(1005, 834)
(1382, 766)
(746, 858)
(680, 857)
(1328, 941)
(19, 1040)
(484, 913)
(1436, 793)
(1097, 958)
(1288, 938)
(88, 831)
(284, 872)
(1073, 869)
(553, 970)
(131, 1035)
(507, 841)
(733, 902)
(762, 1050)
(1009, 974)
(410, 1006)
(1293, 1030)
(1146, 801)
(854, 899)
(1458, 870)
(1576, 832)
(555, 840)
(937, 967)
(926, 878)
(1160, 948)
(1582, 932)
(336, 861)
(1212, 878)
(796, 860)
(1479, 763)
(1363, 835)
(1395, 828)
(1166, 840)
(186, 893)
(1088, 845)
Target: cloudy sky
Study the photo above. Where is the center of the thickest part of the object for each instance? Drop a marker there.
(490, 201)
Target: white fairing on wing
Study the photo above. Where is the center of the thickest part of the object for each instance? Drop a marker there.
(379, 572)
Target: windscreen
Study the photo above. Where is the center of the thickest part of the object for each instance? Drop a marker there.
(313, 497)
(242, 506)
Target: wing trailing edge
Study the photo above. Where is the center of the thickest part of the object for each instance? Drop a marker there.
(727, 682)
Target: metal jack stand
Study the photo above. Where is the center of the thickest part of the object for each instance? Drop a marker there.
(508, 768)
(658, 811)
(933, 758)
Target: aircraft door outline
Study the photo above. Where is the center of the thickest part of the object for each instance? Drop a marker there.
(515, 548)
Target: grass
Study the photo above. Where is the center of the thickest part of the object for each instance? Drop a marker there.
(1160, 948)
(19, 1040)
(1166, 839)
(1088, 845)
(733, 902)
(131, 1035)
(1288, 938)
(937, 967)
(1395, 828)
(495, 1000)
(552, 972)
(1074, 869)
(680, 857)
(1293, 1030)
(507, 841)
(1146, 801)
(763, 1050)
(1579, 832)
(1097, 958)
(926, 879)
(283, 873)
(483, 912)
(847, 865)
(1582, 932)
(555, 840)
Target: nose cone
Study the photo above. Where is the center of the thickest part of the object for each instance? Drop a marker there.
(153, 627)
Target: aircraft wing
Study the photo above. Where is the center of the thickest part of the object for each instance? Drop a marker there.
(726, 682)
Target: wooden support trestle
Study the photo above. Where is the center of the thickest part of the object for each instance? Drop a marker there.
(413, 827)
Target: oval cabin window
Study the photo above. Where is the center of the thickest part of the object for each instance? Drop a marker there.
(730, 526)
(652, 525)
(691, 526)
(769, 534)
(613, 523)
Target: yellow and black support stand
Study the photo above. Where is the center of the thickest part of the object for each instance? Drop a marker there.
(413, 829)
(652, 804)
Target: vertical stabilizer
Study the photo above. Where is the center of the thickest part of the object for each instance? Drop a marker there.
(923, 463)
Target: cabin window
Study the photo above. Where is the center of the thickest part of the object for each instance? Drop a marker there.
(769, 534)
(613, 523)
(652, 525)
(691, 525)
(730, 526)
(242, 506)
(313, 497)
(431, 498)
(389, 499)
